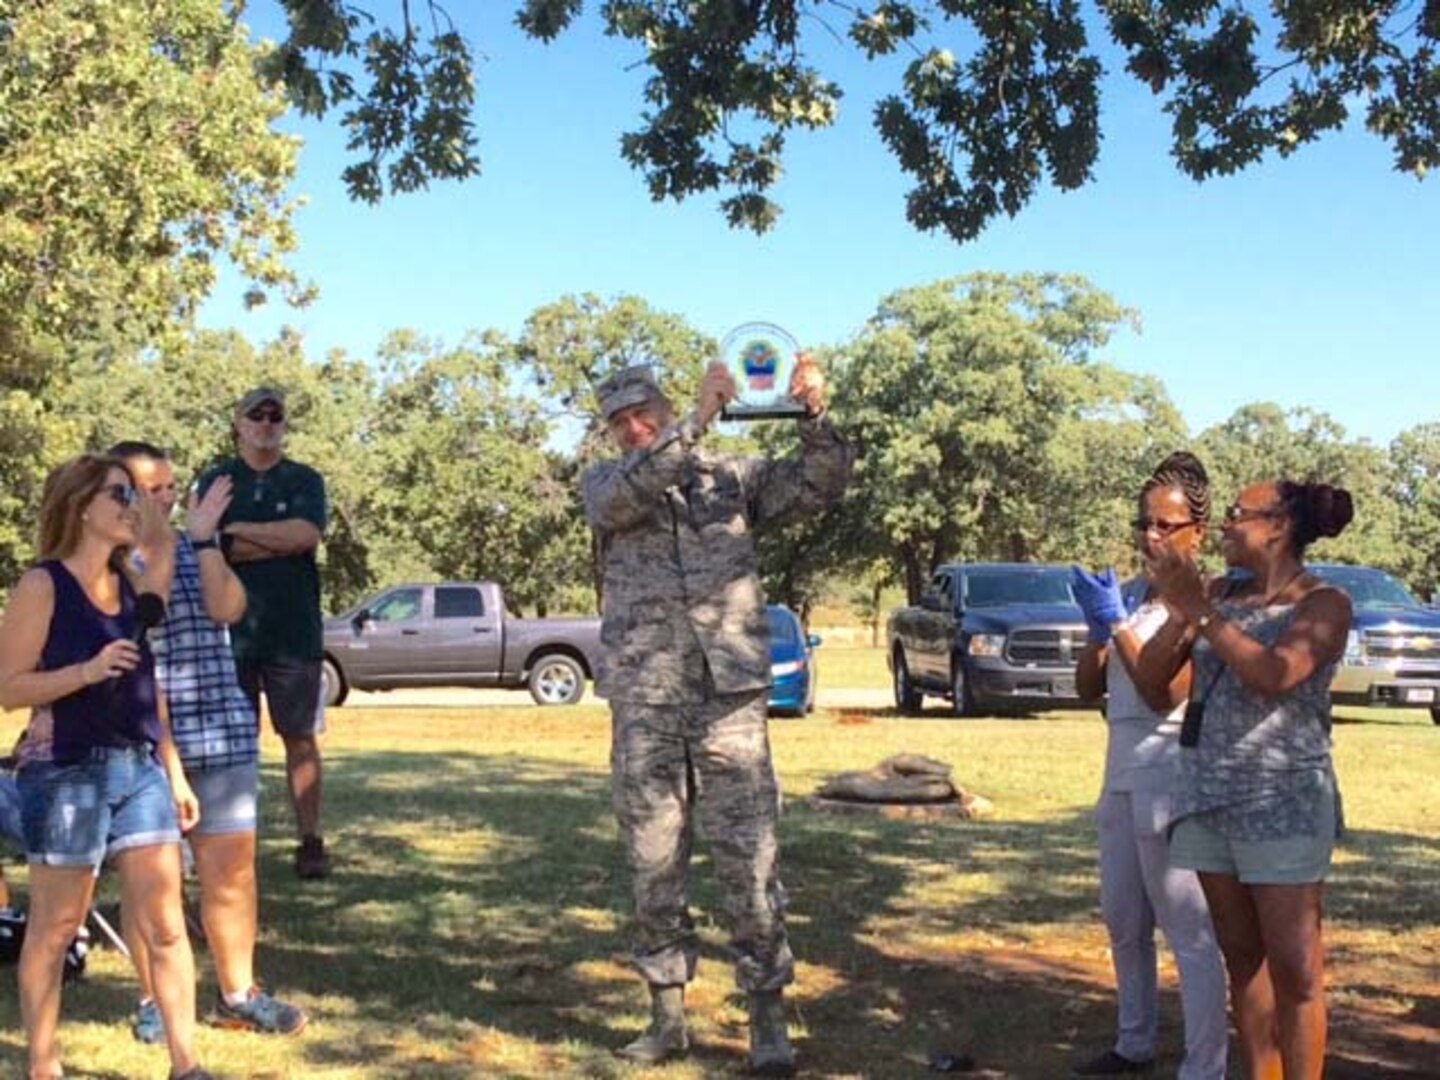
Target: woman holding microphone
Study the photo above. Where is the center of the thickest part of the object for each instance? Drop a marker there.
(98, 775)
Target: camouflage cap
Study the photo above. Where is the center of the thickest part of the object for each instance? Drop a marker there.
(259, 396)
(631, 386)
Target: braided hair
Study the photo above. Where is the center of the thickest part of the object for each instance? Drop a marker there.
(1182, 470)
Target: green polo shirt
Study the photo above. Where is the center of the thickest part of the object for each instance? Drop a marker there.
(282, 614)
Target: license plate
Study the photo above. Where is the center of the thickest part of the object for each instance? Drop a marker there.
(1420, 695)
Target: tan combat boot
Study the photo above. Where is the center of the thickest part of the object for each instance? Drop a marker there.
(770, 1050)
(666, 1037)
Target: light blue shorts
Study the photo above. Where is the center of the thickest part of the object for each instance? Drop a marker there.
(78, 814)
(1196, 844)
(229, 799)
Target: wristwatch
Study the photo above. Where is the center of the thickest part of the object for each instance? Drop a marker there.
(1205, 620)
(210, 544)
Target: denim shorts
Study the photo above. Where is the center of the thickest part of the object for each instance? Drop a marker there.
(11, 831)
(229, 799)
(78, 814)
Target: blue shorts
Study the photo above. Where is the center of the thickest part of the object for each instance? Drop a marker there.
(78, 814)
(229, 799)
(11, 831)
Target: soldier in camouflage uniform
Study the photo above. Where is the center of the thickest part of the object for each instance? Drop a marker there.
(685, 662)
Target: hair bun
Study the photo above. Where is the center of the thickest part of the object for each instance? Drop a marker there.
(1331, 508)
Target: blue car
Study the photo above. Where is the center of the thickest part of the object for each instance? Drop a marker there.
(792, 663)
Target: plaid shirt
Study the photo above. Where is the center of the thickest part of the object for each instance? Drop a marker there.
(212, 721)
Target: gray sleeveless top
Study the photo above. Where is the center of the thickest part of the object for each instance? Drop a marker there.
(1262, 764)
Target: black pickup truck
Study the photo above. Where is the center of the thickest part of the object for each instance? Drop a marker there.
(990, 637)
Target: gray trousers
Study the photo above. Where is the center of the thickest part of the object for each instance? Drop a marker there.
(674, 765)
(1138, 890)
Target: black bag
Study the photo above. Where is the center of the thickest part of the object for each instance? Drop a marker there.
(12, 935)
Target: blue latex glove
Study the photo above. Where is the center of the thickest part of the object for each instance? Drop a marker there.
(1100, 600)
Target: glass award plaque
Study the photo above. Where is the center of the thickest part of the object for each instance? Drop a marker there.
(761, 358)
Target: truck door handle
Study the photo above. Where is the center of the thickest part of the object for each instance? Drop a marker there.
(481, 629)
(410, 633)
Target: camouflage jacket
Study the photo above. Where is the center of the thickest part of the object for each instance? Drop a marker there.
(682, 594)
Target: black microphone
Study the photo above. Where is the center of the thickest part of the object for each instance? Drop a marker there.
(149, 613)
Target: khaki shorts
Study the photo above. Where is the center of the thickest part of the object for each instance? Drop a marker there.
(1196, 844)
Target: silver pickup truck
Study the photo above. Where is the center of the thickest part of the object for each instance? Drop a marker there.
(456, 633)
(1392, 659)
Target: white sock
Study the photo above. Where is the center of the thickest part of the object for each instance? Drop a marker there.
(237, 999)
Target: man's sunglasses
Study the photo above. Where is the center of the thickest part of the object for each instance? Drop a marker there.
(123, 494)
(265, 416)
(1162, 528)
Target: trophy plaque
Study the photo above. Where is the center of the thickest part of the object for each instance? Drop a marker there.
(761, 358)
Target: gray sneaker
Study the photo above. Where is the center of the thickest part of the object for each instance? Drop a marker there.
(262, 1013)
(146, 1025)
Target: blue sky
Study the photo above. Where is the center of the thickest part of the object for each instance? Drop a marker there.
(1308, 282)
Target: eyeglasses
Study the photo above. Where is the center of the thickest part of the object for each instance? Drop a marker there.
(1235, 514)
(123, 494)
(265, 416)
(1162, 528)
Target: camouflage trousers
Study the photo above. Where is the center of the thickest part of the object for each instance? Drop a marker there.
(708, 763)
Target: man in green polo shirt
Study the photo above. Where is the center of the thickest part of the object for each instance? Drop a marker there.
(270, 534)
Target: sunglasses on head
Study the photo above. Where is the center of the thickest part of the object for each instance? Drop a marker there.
(123, 494)
(1162, 528)
(266, 416)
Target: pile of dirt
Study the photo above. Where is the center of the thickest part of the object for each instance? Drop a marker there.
(902, 786)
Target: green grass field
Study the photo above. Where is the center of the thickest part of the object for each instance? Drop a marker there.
(476, 922)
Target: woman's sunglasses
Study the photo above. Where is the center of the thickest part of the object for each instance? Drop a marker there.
(265, 416)
(1162, 528)
(1235, 514)
(123, 494)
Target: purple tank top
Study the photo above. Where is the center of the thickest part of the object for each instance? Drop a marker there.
(116, 712)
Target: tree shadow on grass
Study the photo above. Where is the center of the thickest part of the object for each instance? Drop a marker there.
(478, 915)
(1019, 975)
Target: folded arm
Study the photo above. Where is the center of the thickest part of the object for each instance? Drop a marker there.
(252, 541)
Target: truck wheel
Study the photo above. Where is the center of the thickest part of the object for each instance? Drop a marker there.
(333, 683)
(1435, 715)
(962, 701)
(908, 700)
(557, 679)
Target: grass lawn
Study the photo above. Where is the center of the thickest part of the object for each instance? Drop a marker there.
(476, 922)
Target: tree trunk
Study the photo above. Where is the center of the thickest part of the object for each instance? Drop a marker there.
(875, 590)
(914, 573)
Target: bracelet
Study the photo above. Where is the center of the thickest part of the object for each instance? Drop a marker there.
(1205, 620)
(209, 544)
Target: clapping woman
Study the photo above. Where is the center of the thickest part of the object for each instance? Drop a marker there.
(92, 783)
(1139, 888)
(1257, 803)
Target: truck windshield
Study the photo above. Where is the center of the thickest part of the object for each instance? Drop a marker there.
(1367, 588)
(1039, 586)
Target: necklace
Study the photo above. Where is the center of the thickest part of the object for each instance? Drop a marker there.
(1271, 597)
